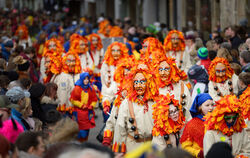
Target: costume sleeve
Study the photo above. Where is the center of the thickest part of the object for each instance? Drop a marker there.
(159, 142)
(186, 58)
(110, 124)
(208, 141)
(188, 103)
(75, 97)
(42, 68)
(235, 83)
(245, 148)
(92, 98)
(120, 135)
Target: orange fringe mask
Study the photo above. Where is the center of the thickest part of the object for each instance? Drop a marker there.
(215, 120)
(108, 58)
(55, 64)
(211, 70)
(153, 44)
(168, 43)
(99, 44)
(75, 43)
(25, 31)
(116, 31)
(162, 123)
(125, 63)
(151, 87)
(59, 48)
(104, 28)
(175, 74)
(65, 67)
(245, 103)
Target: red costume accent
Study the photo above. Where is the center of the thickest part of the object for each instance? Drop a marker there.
(194, 131)
(83, 103)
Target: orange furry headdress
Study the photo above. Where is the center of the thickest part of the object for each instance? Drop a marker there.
(25, 31)
(55, 64)
(215, 120)
(65, 67)
(125, 63)
(116, 31)
(75, 43)
(211, 70)
(99, 44)
(153, 45)
(168, 44)
(104, 28)
(245, 103)
(108, 58)
(162, 123)
(59, 48)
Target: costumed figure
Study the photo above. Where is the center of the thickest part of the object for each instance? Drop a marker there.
(115, 52)
(226, 124)
(52, 66)
(56, 47)
(174, 46)
(97, 52)
(120, 75)
(104, 28)
(83, 98)
(193, 134)
(169, 80)
(116, 31)
(23, 36)
(79, 45)
(70, 73)
(152, 49)
(168, 122)
(223, 81)
(134, 123)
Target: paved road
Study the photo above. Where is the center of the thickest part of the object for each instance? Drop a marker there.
(99, 123)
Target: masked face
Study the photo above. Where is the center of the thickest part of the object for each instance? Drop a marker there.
(94, 41)
(52, 45)
(145, 47)
(164, 70)
(230, 118)
(116, 52)
(140, 84)
(207, 106)
(82, 45)
(71, 62)
(175, 40)
(220, 70)
(47, 63)
(173, 112)
(20, 34)
(86, 81)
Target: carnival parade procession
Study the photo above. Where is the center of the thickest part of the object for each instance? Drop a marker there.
(108, 88)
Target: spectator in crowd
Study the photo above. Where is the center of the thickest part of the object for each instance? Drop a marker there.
(220, 150)
(245, 61)
(202, 53)
(30, 145)
(233, 37)
(5, 147)
(9, 127)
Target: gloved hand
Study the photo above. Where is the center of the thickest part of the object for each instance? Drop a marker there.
(106, 109)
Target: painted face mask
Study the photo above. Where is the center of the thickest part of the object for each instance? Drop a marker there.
(140, 84)
(173, 112)
(52, 45)
(164, 70)
(71, 62)
(175, 40)
(220, 70)
(116, 52)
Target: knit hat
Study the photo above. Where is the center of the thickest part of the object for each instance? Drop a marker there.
(202, 53)
(220, 150)
(15, 94)
(5, 102)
